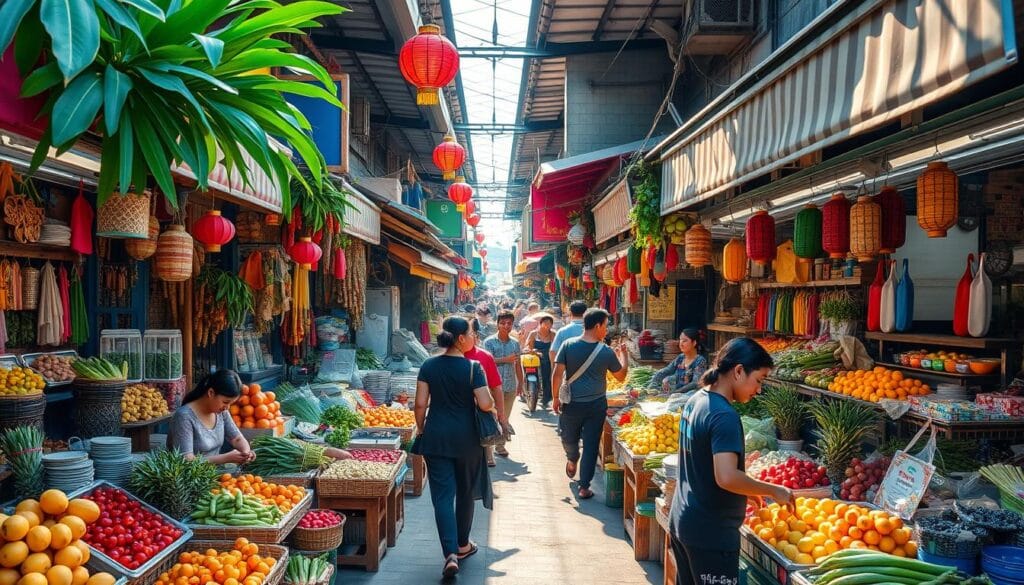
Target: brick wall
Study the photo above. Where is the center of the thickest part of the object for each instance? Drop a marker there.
(1004, 198)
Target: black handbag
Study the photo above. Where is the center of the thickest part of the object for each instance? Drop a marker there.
(487, 427)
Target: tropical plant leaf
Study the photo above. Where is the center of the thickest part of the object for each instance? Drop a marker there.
(74, 30)
(193, 72)
(122, 16)
(213, 47)
(76, 108)
(28, 44)
(41, 79)
(11, 13)
(156, 156)
(116, 86)
(146, 6)
(109, 164)
(176, 85)
(192, 17)
(127, 158)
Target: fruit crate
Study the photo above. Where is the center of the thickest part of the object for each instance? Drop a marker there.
(9, 360)
(29, 358)
(277, 552)
(151, 569)
(359, 488)
(767, 558)
(259, 534)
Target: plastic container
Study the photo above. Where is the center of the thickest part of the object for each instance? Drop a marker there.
(614, 486)
(163, 354)
(1003, 564)
(969, 566)
(123, 345)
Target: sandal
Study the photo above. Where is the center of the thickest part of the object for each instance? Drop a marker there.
(473, 548)
(451, 566)
(586, 493)
(570, 469)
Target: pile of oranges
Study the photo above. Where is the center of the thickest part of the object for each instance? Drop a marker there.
(818, 528)
(41, 542)
(242, 565)
(283, 496)
(874, 385)
(383, 416)
(257, 409)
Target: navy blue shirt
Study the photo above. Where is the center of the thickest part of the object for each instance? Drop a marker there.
(450, 427)
(703, 514)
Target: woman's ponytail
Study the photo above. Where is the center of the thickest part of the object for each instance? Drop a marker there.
(710, 376)
(445, 339)
(451, 329)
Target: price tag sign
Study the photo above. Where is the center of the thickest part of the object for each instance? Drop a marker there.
(906, 481)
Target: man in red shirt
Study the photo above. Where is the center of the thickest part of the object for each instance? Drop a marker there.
(493, 380)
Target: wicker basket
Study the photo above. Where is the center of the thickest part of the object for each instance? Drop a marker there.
(277, 552)
(124, 215)
(143, 249)
(174, 252)
(318, 539)
(258, 534)
(98, 411)
(30, 288)
(22, 411)
(362, 488)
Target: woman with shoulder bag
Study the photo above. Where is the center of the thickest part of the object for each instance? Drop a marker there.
(454, 388)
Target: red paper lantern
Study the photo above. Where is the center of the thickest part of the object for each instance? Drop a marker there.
(480, 238)
(760, 235)
(621, 271)
(483, 252)
(473, 220)
(213, 230)
(449, 156)
(470, 207)
(835, 226)
(460, 192)
(894, 219)
(429, 61)
(305, 253)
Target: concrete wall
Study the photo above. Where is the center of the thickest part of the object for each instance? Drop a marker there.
(612, 104)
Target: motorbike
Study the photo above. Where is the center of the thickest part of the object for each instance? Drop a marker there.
(531, 374)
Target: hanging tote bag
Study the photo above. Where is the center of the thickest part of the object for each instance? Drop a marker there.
(907, 478)
(487, 427)
(565, 391)
(980, 307)
(875, 298)
(961, 302)
(887, 306)
(905, 299)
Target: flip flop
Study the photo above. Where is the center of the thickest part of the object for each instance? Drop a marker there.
(502, 453)
(586, 493)
(451, 566)
(473, 548)
(570, 469)
(491, 463)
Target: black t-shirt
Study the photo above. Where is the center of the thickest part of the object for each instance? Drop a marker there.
(703, 514)
(450, 427)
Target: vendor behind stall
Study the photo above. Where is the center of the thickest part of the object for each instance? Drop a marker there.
(202, 422)
(684, 372)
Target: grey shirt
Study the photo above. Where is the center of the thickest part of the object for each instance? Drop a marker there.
(500, 349)
(591, 385)
(190, 435)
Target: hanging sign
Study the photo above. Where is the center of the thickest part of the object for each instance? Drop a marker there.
(662, 307)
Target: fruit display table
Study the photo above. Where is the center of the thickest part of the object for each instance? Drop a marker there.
(605, 451)
(396, 513)
(141, 431)
(375, 545)
(643, 531)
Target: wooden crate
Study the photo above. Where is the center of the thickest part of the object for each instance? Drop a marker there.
(375, 545)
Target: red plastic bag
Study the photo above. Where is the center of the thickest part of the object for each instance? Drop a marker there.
(875, 299)
(961, 300)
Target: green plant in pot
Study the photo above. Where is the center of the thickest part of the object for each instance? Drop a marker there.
(842, 310)
(157, 82)
(784, 406)
(843, 425)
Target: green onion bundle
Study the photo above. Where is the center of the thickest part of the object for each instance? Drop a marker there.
(281, 456)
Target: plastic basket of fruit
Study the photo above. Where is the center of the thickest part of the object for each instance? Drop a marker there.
(123, 516)
(54, 367)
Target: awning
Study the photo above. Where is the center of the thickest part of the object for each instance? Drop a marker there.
(261, 192)
(363, 219)
(421, 264)
(611, 254)
(882, 60)
(611, 213)
(561, 185)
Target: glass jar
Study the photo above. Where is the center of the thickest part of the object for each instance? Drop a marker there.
(118, 346)
(163, 354)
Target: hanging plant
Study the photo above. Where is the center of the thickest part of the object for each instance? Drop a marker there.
(160, 85)
(645, 215)
(322, 204)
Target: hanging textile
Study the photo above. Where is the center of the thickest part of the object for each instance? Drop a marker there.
(65, 302)
(82, 216)
(50, 327)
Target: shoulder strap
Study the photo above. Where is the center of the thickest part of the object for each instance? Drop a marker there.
(590, 359)
(472, 366)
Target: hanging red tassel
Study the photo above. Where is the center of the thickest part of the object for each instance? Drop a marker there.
(318, 236)
(671, 257)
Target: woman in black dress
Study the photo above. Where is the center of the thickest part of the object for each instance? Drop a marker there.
(540, 341)
(453, 387)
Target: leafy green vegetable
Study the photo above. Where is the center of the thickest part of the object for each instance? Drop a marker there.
(645, 215)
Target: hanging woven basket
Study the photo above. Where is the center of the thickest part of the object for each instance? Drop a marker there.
(124, 215)
(174, 255)
(865, 229)
(938, 193)
(143, 249)
(30, 288)
(698, 246)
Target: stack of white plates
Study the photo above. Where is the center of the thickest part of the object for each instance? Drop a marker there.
(377, 384)
(950, 392)
(112, 457)
(67, 471)
(55, 235)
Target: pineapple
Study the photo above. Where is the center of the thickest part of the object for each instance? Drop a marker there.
(843, 425)
(783, 404)
(23, 447)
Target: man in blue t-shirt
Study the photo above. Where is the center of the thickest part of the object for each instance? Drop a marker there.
(573, 329)
(583, 416)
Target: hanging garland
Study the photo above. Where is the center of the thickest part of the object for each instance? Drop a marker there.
(645, 215)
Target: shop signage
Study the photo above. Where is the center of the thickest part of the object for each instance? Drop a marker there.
(835, 89)
(550, 215)
(330, 123)
(662, 307)
(442, 213)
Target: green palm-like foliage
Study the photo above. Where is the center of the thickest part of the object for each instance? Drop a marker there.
(159, 84)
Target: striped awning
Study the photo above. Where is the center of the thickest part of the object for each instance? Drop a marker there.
(611, 213)
(883, 60)
(362, 220)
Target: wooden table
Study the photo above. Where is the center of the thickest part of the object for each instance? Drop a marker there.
(668, 557)
(140, 432)
(416, 479)
(605, 452)
(642, 530)
(396, 513)
(376, 544)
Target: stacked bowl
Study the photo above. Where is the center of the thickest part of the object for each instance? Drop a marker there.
(67, 471)
(112, 457)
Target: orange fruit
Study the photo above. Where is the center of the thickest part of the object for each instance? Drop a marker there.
(76, 524)
(87, 510)
(872, 537)
(15, 528)
(883, 525)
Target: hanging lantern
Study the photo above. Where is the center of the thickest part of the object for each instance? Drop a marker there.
(305, 253)
(449, 156)
(473, 220)
(835, 227)
(470, 207)
(807, 234)
(734, 261)
(174, 251)
(479, 237)
(671, 257)
(485, 266)
(460, 192)
(273, 219)
(213, 230)
(938, 192)
(621, 271)
(698, 246)
(658, 267)
(894, 219)
(608, 274)
(865, 229)
(429, 61)
(143, 249)
(483, 252)
(576, 234)
(760, 235)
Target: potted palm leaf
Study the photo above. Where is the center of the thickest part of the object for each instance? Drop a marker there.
(843, 426)
(784, 406)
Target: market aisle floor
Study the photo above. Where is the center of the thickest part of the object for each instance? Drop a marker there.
(539, 533)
